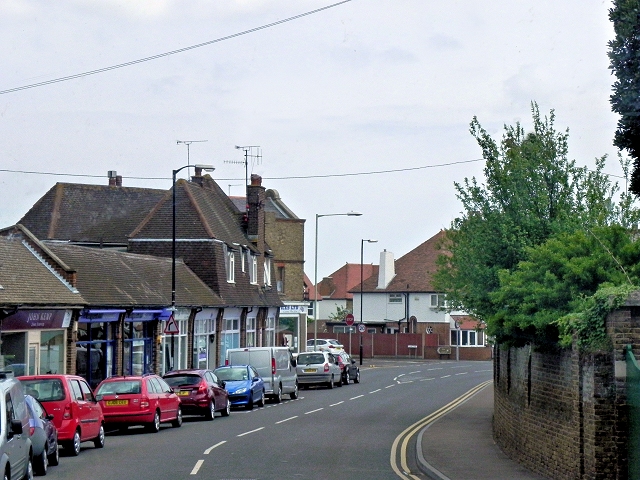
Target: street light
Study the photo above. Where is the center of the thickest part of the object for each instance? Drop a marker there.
(361, 282)
(315, 271)
(207, 168)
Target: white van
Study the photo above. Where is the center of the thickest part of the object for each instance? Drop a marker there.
(275, 365)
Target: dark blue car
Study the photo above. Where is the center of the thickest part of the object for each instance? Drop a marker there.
(244, 385)
(44, 436)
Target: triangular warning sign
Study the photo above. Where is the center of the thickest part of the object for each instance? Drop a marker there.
(171, 326)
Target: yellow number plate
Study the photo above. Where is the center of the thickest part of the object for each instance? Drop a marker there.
(113, 403)
(310, 370)
(183, 393)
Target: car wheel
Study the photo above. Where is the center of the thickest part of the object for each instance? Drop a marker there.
(261, 401)
(330, 385)
(357, 379)
(293, 395)
(74, 444)
(211, 411)
(54, 457)
(345, 378)
(41, 462)
(28, 474)
(340, 380)
(6, 475)
(154, 427)
(177, 423)
(250, 402)
(98, 442)
(278, 396)
(227, 410)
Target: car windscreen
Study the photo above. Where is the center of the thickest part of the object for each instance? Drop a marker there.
(232, 374)
(46, 390)
(119, 387)
(310, 358)
(183, 380)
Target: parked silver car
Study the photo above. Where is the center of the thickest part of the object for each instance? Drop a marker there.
(324, 345)
(318, 368)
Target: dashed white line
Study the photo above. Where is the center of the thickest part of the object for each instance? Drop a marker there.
(445, 376)
(439, 368)
(208, 450)
(334, 404)
(353, 398)
(287, 419)
(389, 386)
(314, 411)
(462, 373)
(197, 467)
(411, 373)
(376, 390)
(425, 379)
(251, 431)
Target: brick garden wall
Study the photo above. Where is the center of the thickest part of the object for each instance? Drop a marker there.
(563, 414)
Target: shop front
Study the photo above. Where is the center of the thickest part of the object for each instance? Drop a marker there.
(33, 341)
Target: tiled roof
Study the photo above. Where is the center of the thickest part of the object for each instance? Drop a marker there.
(113, 278)
(343, 281)
(273, 203)
(201, 212)
(467, 322)
(414, 271)
(26, 280)
(90, 213)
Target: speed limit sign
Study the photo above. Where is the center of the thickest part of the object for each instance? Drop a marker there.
(361, 327)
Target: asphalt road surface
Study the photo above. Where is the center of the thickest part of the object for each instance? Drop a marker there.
(349, 432)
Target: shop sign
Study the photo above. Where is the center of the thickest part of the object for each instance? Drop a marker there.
(293, 309)
(37, 319)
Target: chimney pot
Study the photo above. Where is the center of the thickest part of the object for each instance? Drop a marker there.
(256, 180)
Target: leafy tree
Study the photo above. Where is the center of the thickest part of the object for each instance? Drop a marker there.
(624, 56)
(340, 313)
(532, 194)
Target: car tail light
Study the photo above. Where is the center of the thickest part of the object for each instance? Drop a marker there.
(273, 366)
(226, 362)
(144, 402)
(326, 367)
(202, 388)
(67, 411)
(32, 430)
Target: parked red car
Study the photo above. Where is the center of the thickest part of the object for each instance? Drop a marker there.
(200, 392)
(139, 400)
(76, 413)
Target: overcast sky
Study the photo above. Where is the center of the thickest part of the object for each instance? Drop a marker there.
(330, 98)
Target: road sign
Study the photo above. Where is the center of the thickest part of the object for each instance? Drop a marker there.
(362, 327)
(172, 326)
(349, 319)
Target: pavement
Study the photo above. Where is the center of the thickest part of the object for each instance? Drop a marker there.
(460, 445)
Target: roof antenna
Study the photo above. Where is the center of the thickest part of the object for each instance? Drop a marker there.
(189, 142)
(249, 153)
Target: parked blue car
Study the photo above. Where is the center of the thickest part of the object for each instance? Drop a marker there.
(244, 385)
(44, 436)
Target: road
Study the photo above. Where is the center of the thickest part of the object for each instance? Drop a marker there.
(356, 431)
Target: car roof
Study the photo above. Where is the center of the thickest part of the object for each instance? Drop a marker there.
(233, 366)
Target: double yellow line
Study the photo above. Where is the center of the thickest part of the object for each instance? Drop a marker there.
(406, 435)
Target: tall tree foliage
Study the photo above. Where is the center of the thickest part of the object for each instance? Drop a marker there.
(532, 193)
(624, 56)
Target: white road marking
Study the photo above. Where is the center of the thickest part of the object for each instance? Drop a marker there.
(353, 398)
(445, 376)
(334, 404)
(462, 373)
(251, 431)
(287, 419)
(208, 450)
(439, 368)
(411, 373)
(197, 467)
(314, 411)
(389, 386)
(425, 379)
(376, 390)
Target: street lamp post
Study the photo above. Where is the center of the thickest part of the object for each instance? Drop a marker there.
(315, 271)
(207, 168)
(361, 282)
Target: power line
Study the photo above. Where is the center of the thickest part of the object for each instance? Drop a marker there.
(172, 52)
(329, 175)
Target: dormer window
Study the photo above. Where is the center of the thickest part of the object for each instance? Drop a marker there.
(230, 264)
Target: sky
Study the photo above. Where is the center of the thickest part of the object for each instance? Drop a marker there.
(361, 105)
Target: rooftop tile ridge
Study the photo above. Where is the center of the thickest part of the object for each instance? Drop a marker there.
(35, 253)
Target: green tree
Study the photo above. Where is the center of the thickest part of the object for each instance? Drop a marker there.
(340, 314)
(532, 193)
(624, 56)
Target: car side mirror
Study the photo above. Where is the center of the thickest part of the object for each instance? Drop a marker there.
(16, 427)
(222, 383)
(353, 362)
(50, 417)
(293, 362)
(98, 398)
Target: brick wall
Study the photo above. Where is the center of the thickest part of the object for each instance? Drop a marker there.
(563, 414)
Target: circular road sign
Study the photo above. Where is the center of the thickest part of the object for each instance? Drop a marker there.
(349, 319)
(361, 327)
